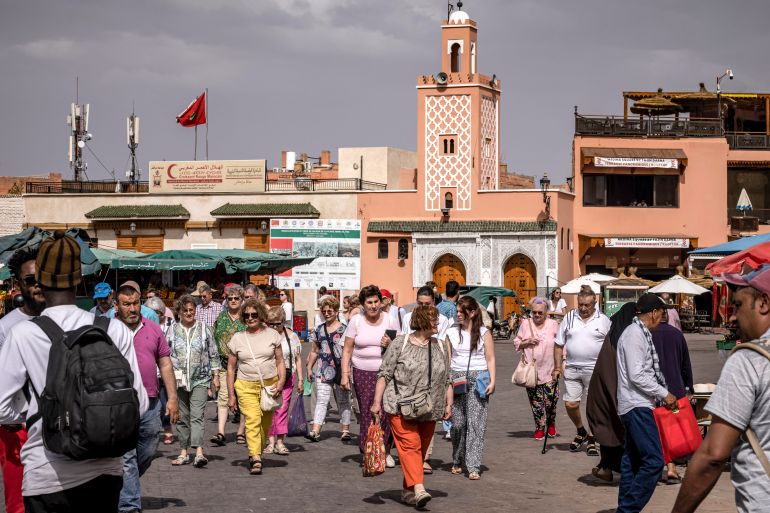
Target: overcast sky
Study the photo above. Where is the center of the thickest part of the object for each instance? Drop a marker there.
(308, 75)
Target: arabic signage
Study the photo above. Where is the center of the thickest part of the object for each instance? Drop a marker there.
(636, 162)
(169, 177)
(336, 244)
(646, 242)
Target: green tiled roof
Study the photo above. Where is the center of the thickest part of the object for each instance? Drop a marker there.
(266, 210)
(138, 211)
(462, 226)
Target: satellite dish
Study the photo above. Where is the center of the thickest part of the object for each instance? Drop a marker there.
(442, 78)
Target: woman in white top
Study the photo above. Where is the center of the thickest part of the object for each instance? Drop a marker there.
(556, 305)
(288, 308)
(473, 361)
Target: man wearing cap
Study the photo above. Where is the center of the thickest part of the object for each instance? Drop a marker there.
(147, 313)
(391, 308)
(152, 353)
(640, 386)
(208, 311)
(13, 436)
(103, 298)
(741, 400)
(53, 482)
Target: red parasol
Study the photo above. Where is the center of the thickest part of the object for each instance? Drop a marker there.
(752, 257)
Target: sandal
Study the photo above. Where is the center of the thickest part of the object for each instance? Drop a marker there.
(168, 438)
(577, 443)
(218, 439)
(181, 460)
(474, 476)
(255, 467)
(240, 439)
(345, 436)
(270, 449)
(591, 448)
(281, 450)
(200, 461)
(672, 480)
(456, 470)
(426, 468)
(313, 436)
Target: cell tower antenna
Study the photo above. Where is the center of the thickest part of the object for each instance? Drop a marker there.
(79, 134)
(132, 139)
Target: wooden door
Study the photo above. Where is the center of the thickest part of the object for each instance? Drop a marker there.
(520, 276)
(446, 268)
(257, 242)
(142, 243)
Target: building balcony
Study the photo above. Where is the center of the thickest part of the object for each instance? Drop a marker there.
(301, 184)
(748, 141)
(90, 187)
(618, 126)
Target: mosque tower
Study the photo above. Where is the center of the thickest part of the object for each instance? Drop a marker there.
(458, 121)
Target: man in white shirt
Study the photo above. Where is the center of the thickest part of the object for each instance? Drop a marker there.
(90, 485)
(13, 436)
(392, 309)
(582, 334)
(425, 297)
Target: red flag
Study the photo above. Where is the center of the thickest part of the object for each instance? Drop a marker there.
(195, 113)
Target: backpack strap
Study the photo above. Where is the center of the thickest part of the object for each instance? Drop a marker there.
(102, 321)
(750, 434)
(56, 335)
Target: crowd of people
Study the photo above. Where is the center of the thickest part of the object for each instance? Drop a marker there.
(405, 368)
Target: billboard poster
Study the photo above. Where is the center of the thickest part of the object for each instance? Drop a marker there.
(172, 177)
(336, 244)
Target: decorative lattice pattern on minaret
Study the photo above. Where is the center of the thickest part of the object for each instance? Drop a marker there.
(448, 115)
(489, 163)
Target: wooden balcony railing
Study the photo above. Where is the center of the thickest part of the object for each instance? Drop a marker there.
(646, 127)
(336, 184)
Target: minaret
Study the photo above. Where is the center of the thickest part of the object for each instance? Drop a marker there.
(457, 121)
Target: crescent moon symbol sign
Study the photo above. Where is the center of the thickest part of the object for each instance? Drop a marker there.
(168, 171)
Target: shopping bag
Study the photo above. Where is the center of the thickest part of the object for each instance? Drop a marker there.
(678, 429)
(307, 387)
(297, 419)
(374, 451)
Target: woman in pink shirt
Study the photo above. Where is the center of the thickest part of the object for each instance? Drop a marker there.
(535, 339)
(365, 341)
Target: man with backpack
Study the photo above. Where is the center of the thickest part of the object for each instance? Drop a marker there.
(152, 353)
(739, 407)
(80, 467)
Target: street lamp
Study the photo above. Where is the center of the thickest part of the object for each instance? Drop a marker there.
(132, 227)
(728, 73)
(545, 182)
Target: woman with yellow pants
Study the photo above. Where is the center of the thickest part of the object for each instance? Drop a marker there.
(257, 355)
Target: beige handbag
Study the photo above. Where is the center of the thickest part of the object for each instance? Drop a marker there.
(266, 400)
(525, 374)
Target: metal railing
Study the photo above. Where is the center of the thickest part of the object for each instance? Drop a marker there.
(748, 141)
(655, 127)
(78, 187)
(334, 184)
(763, 214)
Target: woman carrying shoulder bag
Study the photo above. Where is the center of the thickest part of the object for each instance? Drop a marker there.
(473, 379)
(413, 387)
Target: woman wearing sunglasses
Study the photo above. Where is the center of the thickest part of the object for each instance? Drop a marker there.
(256, 354)
(292, 357)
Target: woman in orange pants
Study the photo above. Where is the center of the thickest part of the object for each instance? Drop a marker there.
(415, 366)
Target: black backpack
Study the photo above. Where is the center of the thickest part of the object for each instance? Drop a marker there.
(89, 407)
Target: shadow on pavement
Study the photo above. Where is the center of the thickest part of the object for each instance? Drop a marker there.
(271, 463)
(590, 480)
(395, 496)
(151, 503)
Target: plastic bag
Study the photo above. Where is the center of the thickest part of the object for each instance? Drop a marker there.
(374, 451)
(307, 387)
(679, 431)
(297, 419)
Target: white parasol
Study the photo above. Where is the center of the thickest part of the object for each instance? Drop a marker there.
(599, 278)
(678, 285)
(744, 203)
(573, 286)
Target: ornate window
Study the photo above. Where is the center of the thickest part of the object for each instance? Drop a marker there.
(382, 248)
(455, 65)
(403, 249)
(447, 145)
(448, 200)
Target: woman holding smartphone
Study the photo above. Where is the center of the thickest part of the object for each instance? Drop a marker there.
(365, 341)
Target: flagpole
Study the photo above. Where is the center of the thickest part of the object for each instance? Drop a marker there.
(195, 147)
(207, 123)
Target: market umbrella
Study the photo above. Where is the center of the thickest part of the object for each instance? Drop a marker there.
(482, 294)
(744, 203)
(702, 99)
(33, 236)
(678, 285)
(599, 278)
(573, 286)
(752, 257)
(657, 105)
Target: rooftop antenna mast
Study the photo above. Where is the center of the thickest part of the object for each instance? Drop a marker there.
(78, 123)
(132, 139)
(449, 9)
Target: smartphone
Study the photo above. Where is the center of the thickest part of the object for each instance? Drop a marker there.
(391, 334)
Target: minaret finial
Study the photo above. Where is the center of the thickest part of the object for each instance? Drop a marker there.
(460, 5)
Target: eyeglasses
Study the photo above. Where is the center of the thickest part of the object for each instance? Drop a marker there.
(188, 311)
(29, 280)
(281, 294)
(537, 313)
(250, 315)
(327, 311)
(234, 298)
(275, 324)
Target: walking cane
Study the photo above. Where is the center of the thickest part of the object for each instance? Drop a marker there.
(547, 417)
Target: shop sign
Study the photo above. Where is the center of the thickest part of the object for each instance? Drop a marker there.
(200, 176)
(636, 162)
(336, 244)
(646, 242)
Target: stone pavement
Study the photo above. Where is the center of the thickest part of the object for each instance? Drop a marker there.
(326, 477)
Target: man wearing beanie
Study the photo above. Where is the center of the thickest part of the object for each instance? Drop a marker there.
(640, 385)
(53, 482)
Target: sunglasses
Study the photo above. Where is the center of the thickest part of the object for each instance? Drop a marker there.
(234, 298)
(29, 280)
(274, 324)
(282, 294)
(251, 315)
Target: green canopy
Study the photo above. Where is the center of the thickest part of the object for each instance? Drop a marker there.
(32, 237)
(234, 260)
(107, 255)
(482, 294)
(5, 273)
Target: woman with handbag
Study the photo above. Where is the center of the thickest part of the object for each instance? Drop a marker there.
(292, 359)
(473, 380)
(261, 373)
(535, 340)
(413, 387)
(326, 349)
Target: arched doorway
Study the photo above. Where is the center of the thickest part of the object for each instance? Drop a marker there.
(520, 276)
(448, 267)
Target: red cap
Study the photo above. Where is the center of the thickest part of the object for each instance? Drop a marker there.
(386, 293)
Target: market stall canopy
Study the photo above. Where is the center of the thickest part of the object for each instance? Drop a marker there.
(752, 257)
(657, 105)
(482, 294)
(107, 255)
(734, 246)
(573, 286)
(678, 285)
(599, 278)
(5, 273)
(32, 237)
(234, 260)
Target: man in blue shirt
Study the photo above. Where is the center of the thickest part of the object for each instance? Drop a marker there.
(448, 308)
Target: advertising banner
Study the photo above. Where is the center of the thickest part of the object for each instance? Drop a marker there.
(646, 242)
(636, 162)
(336, 244)
(169, 177)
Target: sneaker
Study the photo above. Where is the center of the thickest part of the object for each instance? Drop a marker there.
(551, 431)
(407, 497)
(389, 461)
(421, 498)
(448, 435)
(539, 434)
